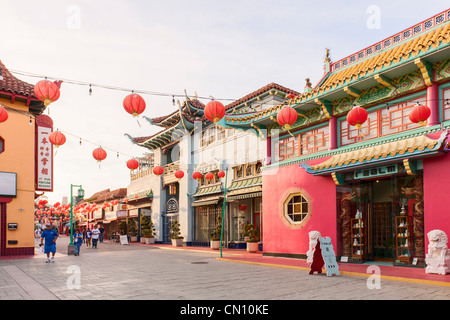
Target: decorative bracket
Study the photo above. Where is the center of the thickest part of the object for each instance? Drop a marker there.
(338, 178)
(326, 107)
(352, 92)
(410, 167)
(382, 80)
(426, 69)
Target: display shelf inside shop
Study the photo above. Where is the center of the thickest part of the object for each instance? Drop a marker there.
(359, 246)
(403, 239)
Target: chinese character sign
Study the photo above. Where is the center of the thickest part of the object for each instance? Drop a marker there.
(329, 256)
(44, 160)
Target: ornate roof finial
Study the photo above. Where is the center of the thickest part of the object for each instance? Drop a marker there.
(308, 86)
(327, 56)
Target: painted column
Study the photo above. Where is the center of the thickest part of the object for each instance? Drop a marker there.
(332, 128)
(433, 104)
(269, 150)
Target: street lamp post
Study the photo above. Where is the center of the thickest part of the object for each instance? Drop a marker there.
(71, 249)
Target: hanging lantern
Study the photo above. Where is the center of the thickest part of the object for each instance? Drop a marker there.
(420, 114)
(214, 111)
(179, 174)
(357, 116)
(132, 164)
(221, 174)
(57, 138)
(134, 104)
(209, 176)
(286, 117)
(99, 154)
(158, 170)
(3, 114)
(197, 175)
(242, 207)
(46, 91)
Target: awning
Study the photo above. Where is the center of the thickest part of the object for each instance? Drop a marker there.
(203, 191)
(245, 183)
(140, 195)
(416, 147)
(206, 202)
(244, 196)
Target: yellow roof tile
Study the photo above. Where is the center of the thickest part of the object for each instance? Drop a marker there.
(385, 58)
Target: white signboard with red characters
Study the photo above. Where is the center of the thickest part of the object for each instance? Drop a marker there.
(44, 154)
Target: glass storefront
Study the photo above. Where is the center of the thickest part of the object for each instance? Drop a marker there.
(205, 222)
(381, 218)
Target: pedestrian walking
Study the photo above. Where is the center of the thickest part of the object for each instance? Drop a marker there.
(77, 241)
(102, 234)
(88, 237)
(50, 235)
(37, 233)
(95, 236)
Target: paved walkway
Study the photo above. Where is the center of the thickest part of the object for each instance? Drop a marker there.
(164, 272)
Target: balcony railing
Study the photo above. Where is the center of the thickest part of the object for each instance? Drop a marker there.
(169, 170)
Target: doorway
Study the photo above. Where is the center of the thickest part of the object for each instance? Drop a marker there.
(369, 206)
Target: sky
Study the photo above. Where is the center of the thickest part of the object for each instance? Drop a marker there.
(220, 49)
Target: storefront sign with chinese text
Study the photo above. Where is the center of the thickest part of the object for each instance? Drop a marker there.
(44, 156)
(375, 172)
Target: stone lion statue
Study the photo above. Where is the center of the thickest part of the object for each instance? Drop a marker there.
(438, 258)
(313, 237)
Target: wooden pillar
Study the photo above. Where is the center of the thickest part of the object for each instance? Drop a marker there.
(332, 128)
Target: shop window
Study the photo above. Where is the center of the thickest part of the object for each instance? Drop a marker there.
(2, 145)
(296, 208)
(446, 104)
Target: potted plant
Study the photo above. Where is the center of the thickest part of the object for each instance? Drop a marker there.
(175, 234)
(252, 237)
(147, 230)
(215, 235)
(132, 230)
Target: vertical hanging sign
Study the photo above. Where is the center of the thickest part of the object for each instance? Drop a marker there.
(44, 154)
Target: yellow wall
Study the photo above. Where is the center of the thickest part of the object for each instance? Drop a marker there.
(18, 157)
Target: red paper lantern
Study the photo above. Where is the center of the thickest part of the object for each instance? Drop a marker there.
(286, 117)
(134, 104)
(158, 170)
(420, 114)
(3, 114)
(221, 174)
(242, 207)
(197, 175)
(209, 176)
(46, 91)
(57, 138)
(132, 164)
(179, 174)
(214, 111)
(357, 116)
(99, 154)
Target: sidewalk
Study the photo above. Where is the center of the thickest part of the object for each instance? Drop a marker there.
(394, 273)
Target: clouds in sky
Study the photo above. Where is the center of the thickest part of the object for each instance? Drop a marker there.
(225, 49)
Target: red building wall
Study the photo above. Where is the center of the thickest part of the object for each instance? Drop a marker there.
(436, 189)
(279, 236)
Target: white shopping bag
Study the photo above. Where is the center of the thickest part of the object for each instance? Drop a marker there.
(41, 250)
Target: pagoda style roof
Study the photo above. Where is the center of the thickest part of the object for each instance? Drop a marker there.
(378, 67)
(16, 89)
